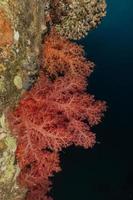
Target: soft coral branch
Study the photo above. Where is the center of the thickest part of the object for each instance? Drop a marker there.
(62, 56)
(45, 123)
(54, 114)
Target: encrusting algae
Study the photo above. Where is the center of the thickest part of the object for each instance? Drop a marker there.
(6, 32)
(9, 189)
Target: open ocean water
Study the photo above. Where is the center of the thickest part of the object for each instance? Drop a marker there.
(106, 171)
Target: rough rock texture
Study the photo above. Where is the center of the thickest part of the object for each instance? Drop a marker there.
(9, 188)
(23, 22)
(22, 25)
(6, 32)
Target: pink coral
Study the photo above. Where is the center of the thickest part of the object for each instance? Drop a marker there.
(54, 114)
(56, 118)
(39, 192)
(62, 56)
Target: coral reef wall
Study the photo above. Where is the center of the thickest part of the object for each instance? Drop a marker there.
(21, 27)
(44, 105)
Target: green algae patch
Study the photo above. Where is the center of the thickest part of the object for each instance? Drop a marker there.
(9, 170)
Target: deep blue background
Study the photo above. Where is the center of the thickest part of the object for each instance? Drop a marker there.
(106, 171)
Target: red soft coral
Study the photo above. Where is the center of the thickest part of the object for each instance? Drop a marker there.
(39, 169)
(46, 120)
(53, 115)
(62, 56)
(39, 192)
(56, 113)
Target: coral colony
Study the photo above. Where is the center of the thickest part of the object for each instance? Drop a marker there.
(44, 104)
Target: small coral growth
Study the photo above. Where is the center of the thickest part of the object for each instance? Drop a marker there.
(74, 18)
(56, 113)
(6, 32)
(62, 56)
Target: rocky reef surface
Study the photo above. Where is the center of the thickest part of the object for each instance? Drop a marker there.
(21, 27)
(9, 188)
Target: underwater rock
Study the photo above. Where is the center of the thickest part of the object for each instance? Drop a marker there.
(6, 32)
(9, 170)
(22, 25)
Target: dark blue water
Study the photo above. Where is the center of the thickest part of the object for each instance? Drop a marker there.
(106, 171)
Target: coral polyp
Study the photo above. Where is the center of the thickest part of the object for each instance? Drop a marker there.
(79, 17)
